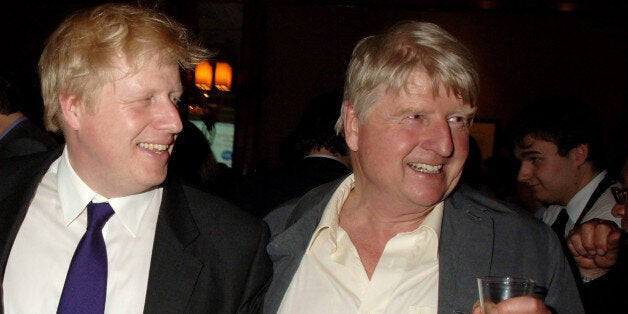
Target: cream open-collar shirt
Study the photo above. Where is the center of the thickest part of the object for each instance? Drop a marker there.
(331, 278)
(54, 224)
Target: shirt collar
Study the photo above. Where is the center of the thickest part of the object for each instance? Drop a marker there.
(74, 195)
(434, 219)
(329, 219)
(578, 201)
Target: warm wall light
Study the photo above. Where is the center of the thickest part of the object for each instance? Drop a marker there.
(203, 75)
(223, 76)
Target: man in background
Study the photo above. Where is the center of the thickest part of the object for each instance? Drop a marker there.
(19, 136)
(559, 141)
(321, 156)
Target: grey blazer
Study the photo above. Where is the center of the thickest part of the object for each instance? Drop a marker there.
(208, 256)
(479, 236)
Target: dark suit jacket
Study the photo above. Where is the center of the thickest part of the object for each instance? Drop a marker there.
(24, 139)
(208, 256)
(479, 237)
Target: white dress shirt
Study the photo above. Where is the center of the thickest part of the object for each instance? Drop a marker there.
(600, 209)
(332, 279)
(54, 224)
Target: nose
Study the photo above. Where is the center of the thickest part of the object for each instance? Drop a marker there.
(619, 211)
(525, 172)
(168, 117)
(439, 139)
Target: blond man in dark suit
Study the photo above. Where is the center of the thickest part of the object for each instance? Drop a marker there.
(110, 83)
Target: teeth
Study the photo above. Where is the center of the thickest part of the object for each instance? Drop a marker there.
(158, 148)
(425, 168)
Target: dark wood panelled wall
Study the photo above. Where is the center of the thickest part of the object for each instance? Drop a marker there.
(286, 52)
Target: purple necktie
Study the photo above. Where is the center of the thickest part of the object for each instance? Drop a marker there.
(85, 286)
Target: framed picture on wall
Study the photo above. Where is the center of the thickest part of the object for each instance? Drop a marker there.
(484, 132)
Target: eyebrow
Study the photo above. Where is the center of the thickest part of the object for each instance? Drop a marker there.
(528, 153)
(470, 112)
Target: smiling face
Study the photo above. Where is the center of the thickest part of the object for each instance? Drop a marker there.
(122, 146)
(410, 151)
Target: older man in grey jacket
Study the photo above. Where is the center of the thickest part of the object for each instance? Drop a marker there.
(399, 235)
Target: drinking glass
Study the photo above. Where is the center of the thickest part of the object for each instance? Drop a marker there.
(494, 289)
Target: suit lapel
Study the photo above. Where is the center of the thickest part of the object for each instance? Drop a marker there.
(465, 252)
(13, 209)
(173, 270)
(21, 176)
(287, 248)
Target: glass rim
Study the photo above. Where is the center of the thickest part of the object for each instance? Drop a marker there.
(506, 279)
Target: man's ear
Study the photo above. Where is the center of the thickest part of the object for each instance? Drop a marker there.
(351, 125)
(72, 110)
(579, 154)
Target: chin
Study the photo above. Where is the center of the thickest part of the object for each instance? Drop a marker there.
(429, 197)
(156, 178)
